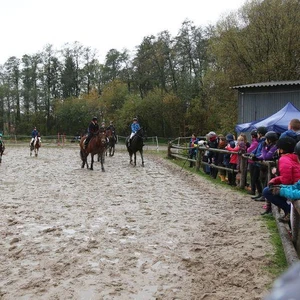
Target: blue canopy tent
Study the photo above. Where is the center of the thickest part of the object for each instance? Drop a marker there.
(277, 122)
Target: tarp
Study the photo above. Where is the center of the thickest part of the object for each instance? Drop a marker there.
(277, 122)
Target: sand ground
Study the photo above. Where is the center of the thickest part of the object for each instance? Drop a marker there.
(156, 232)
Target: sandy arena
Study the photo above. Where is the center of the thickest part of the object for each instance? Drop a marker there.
(156, 232)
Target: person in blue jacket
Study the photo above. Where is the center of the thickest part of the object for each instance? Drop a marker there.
(34, 134)
(135, 127)
(193, 148)
(258, 174)
(293, 130)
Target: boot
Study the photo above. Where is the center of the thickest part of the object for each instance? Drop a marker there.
(222, 177)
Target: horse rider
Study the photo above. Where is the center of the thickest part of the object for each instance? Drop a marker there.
(135, 127)
(92, 129)
(103, 127)
(34, 134)
(112, 128)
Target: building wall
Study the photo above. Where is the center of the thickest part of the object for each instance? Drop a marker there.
(257, 103)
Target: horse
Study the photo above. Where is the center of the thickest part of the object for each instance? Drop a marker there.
(111, 142)
(2, 148)
(136, 144)
(96, 145)
(35, 146)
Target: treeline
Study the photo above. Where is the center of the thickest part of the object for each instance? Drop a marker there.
(175, 85)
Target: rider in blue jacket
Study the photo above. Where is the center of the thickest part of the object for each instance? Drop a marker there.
(34, 134)
(135, 127)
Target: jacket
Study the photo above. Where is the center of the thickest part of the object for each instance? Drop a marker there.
(252, 147)
(289, 170)
(233, 156)
(290, 191)
(93, 128)
(267, 152)
(135, 127)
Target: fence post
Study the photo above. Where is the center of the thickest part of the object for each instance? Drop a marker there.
(198, 159)
(243, 169)
(169, 149)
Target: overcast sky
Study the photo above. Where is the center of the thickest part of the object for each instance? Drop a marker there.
(28, 25)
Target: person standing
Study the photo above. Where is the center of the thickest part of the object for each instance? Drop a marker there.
(254, 156)
(192, 148)
(92, 129)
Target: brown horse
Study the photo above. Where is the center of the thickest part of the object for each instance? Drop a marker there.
(97, 145)
(35, 146)
(111, 143)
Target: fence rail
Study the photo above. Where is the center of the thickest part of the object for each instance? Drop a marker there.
(179, 149)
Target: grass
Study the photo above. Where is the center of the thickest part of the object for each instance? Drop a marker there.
(277, 264)
(278, 260)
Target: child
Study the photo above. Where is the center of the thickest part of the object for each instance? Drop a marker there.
(291, 192)
(233, 162)
(193, 150)
(289, 173)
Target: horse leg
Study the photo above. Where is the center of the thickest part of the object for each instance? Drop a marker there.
(102, 162)
(134, 159)
(84, 159)
(92, 162)
(142, 157)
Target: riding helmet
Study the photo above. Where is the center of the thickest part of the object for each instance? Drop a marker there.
(229, 137)
(95, 119)
(287, 144)
(297, 149)
(262, 130)
(254, 133)
(271, 136)
(135, 119)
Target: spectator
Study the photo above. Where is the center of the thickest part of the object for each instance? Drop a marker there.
(268, 152)
(212, 142)
(293, 130)
(289, 173)
(243, 145)
(252, 147)
(193, 148)
(220, 158)
(291, 192)
(258, 170)
(226, 162)
(233, 161)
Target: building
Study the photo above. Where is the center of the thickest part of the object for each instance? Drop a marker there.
(260, 100)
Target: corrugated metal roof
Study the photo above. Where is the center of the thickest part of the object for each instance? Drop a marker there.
(266, 84)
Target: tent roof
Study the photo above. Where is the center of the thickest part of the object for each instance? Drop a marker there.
(277, 122)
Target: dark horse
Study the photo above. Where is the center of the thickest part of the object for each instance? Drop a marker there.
(35, 146)
(2, 148)
(97, 145)
(111, 143)
(137, 144)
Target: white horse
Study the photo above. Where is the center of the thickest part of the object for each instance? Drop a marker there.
(35, 146)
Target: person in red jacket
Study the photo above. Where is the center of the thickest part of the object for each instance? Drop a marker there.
(233, 162)
(289, 173)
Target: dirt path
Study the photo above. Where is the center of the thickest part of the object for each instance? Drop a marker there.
(129, 233)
